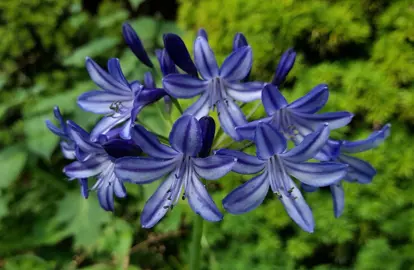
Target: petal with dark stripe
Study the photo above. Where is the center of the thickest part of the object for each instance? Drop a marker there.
(269, 141)
(237, 65)
(185, 135)
(150, 144)
(246, 164)
(244, 92)
(312, 101)
(272, 99)
(358, 170)
(204, 59)
(183, 85)
(213, 167)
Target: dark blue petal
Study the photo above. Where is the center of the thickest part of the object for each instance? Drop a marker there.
(245, 92)
(104, 80)
(106, 124)
(185, 136)
(135, 44)
(376, 138)
(269, 141)
(338, 198)
(82, 139)
(168, 104)
(358, 170)
(114, 68)
(329, 151)
(201, 202)
(230, 117)
(208, 129)
(166, 63)
(202, 33)
(308, 188)
(140, 170)
(309, 147)
(83, 182)
(205, 59)
(55, 130)
(183, 85)
(316, 174)
(247, 131)
(150, 144)
(179, 54)
(246, 164)
(297, 208)
(247, 196)
(272, 99)
(237, 65)
(158, 204)
(149, 80)
(82, 155)
(213, 167)
(100, 102)
(85, 169)
(118, 148)
(145, 97)
(285, 65)
(312, 101)
(199, 108)
(312, 121)
(239, 41)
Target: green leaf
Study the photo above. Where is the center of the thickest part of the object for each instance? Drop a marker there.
(136, 3)
(3, 207)
(12, 163)
(83, 218)
(112, 19)
(91, 49)
(31, 262)
(39, 139)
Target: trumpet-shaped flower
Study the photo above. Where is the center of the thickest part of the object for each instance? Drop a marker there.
(219, 87)
(297, 119)
(100, 162)
(275, 164)
(119, 100)
(181, 164)
(358, 170)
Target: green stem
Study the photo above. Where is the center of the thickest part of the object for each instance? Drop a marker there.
(195, 252)
(177, 105)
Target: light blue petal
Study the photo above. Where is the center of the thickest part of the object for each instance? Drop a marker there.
(244, 92)
(213, 167)
(230, 117)
(312, 101)
(376, 138)
(269, 141)
(68, 150)
(82, 139)
(237, 65)
(199, 108)
(106, 124)
(246, 164)
(308, 188)
(272, 99)
(185, 135)
(114, 68)
(312, 121)
(90, 167)
(204, 59)
(247, 196)
(247, 131)
(338, 198)
(100, 102)
(358, 170)
(183, 85)
(106, 197)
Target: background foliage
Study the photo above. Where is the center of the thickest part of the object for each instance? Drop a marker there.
(362, 49)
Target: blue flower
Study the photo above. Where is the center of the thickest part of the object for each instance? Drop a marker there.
(358, 170)
(135, 44)
(181, 164)
(179, 54)
(285, 65)
(218, 86)
(297, 119)
(275, 165)
(98, 159)
(119, 100)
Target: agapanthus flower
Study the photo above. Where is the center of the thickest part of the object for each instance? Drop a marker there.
(119, 100)
(284, 66)
(358, 170)
(297, 119)
(134, 43)
(219, 87)
(181, 163)
(275, 164)
(98, 159)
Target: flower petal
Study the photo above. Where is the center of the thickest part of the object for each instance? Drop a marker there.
(285, 65)
(68, 149)
(272, 99)
(119, 188)
(101, 102)
(183, 85)
(316, 174)
(297, 208)
(106, 197)
(237, 65)
(247, 131)
(117, 148)
(150, 144)
(213, 167)
(246, 164)
(166, 63)
(185, 135)
(247, 196)
(90, 167)
(199, 108)
(104, 80)
(358, 169)
(157, 205)
(309, 147)
(329, 151)
(204, 59)
(376, 138)
(142, 170)
(202, 33)
(208, 129)
(54, 129)
(83, 182)
(268, 141)
(149, 80)
(114, 68)
(239, 41)
(338, 198)
(312, 121)
(106, 124)
(201, 202)
(135, 44)
(179, 54)
(245, 92)
(312, 101)
(308, 188)
(82, 139)
(230, 117)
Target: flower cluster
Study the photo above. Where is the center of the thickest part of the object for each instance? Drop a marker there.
(119, 150)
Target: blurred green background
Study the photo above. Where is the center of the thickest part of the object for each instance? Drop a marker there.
(362, 49)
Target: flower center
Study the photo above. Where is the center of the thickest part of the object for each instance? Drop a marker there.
(217, 91)
(182, 175)
(284, 124)
(280, 182)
